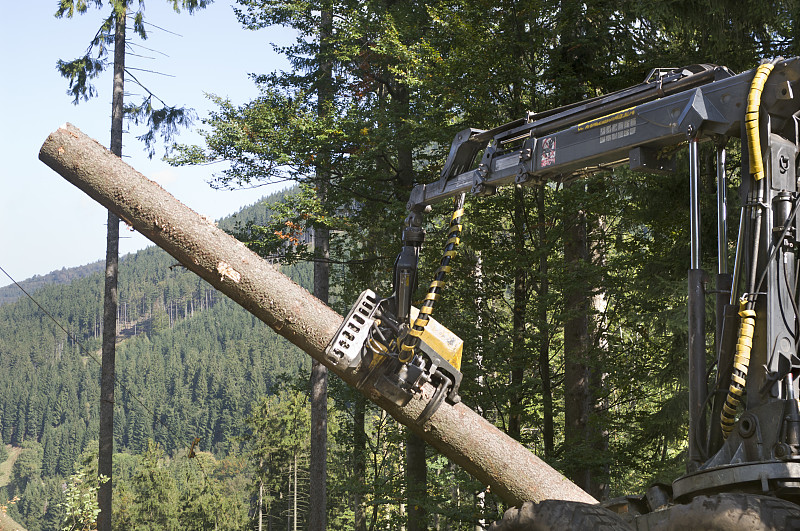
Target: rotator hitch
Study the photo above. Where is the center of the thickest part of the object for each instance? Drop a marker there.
(395, 347)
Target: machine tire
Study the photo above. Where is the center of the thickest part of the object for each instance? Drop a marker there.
(733, 512)
(557, 515)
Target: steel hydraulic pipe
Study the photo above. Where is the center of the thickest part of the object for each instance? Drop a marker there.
(724, 279)
(722, 310)
(694, 203)
(737, 259)
(513, 473)
(722, 213)
(697, 317)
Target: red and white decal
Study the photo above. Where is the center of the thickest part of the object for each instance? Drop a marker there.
(548, 152)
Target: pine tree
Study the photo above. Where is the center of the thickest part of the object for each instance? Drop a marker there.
(50, 452)
(279, 450)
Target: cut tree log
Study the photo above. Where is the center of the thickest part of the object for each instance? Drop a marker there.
(513, 473)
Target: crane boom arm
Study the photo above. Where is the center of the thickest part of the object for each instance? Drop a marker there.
(639, 126)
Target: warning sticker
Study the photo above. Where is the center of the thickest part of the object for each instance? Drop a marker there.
(617, 130)
(548, 152)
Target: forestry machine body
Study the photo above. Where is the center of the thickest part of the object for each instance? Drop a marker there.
(744, 433)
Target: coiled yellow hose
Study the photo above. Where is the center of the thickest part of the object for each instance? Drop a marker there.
(744, 343)
(751, 119)
(411, 342)
(741, 362)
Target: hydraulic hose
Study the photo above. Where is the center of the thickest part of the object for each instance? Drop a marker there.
(751, 119)
(741, 363)
(411, 342)
(747, 312)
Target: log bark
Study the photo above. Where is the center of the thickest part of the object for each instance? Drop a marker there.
(513, 473)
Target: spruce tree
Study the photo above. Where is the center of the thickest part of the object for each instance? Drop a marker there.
(163, 120)
(155, 493)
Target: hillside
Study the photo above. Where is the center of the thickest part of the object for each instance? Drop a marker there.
(190, 363)
(12, 453)
(257, 213)
(11, 293)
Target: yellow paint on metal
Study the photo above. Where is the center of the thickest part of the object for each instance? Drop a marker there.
(751, 119)
(441, 340)
(597, 122)
(741, 363)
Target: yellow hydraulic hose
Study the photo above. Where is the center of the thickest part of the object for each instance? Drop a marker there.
(744, 344)
(409, 345)
(741, 362)
(751, 119)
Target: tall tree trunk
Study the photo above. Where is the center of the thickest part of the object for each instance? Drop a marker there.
(576, 345)
(405, 154)
(319, 373)
(108, 362)
(416, 467)
(597, 431)
(416, 482)
(359, 462)
(260, 500)
(574, 71)
(583, 378)
(514, 474)
(294, 498)
(544, 327)
(518, 319)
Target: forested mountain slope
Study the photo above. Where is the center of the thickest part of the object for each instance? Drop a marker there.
(11, 292)
(190, 362)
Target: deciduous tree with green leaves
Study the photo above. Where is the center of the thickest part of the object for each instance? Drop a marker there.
(80, 497)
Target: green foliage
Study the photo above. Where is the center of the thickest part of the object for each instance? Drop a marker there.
(11, 292)
(155, 494)
(248, 139)
(194, 493)
(285, 237)
(194, 359)
(28, 466)
(165, 121)
(162, 121)
(405, 77)
(278, 446)
(69, 7)
(211, 493)
(79, 72)
(32, 499)
(80, 497)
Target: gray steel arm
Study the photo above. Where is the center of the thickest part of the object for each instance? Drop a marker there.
(636, 125)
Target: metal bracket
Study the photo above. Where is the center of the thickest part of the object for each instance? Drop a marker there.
(345, 349)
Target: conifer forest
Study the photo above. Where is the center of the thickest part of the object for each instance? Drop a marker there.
(213, 413)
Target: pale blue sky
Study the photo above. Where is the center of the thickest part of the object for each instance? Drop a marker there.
(45, 222)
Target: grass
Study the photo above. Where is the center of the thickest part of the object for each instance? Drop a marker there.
(6, 523)
(5, 467)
